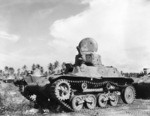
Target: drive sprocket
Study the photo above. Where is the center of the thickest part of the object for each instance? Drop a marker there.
(62, 89)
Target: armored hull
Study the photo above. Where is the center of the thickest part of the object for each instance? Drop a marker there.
(90, 83)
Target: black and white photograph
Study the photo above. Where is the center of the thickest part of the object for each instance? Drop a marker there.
(74, 57)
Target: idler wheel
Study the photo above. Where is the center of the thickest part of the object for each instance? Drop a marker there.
(62, 90)
(102, 100)
(114, 99)
(128, 95)
(91, 101)
(77, 103)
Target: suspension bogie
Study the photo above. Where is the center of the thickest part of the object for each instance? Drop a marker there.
(90, 101)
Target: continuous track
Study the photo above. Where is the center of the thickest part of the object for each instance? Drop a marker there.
(66, 103)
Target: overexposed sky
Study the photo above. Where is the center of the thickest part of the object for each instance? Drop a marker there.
(42, 31)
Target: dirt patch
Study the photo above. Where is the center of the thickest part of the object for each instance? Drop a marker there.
(11, 101)
(138, 108)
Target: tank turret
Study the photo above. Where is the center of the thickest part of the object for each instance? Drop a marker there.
(87, 49)
(88, 62)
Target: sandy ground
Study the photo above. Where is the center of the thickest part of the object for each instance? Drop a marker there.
(138, 108)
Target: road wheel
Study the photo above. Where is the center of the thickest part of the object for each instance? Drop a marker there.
(91, 101)
(77, 103)
(114, 99)
(102, 101)
(128, 94)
